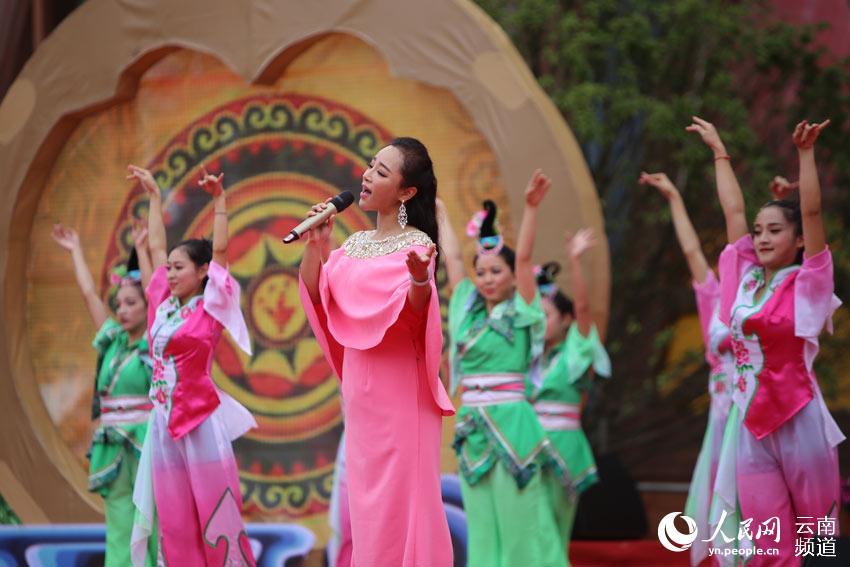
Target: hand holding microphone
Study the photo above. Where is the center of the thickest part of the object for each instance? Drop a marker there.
(318, 218)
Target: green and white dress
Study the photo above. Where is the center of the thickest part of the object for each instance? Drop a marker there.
(557, 401)
(121, 402)
(500, 445)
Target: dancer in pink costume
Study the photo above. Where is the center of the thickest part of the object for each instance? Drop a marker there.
(374, 309)
(188, 480)
(718, 354)
(777, 296)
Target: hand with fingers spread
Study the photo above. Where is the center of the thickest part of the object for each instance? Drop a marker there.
(211, 183)
(661, 182)
(537, 188)
(780, 187)
(419, 264)
(709, 135)
(65, 237)
(144, 177)
(805, 134)
(580, 242)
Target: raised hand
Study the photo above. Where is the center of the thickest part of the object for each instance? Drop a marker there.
(806, 134)
(211, 183)
(661, 182)
(67, 238)
(709, 135)
(144, 177)
(139, 232)
(418, 264)
(781, 187)
(537, 188)
(580, 242)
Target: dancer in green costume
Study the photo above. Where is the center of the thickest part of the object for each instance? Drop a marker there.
(572, 350)
(121, 388)
(496, 328)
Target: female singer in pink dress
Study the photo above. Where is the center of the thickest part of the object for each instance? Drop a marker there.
(776, 295)
(188, 479)
(374, 308)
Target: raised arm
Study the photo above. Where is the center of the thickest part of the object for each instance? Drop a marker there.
(536, 189)
(140, 244)
(728, 190)
(156, 228)
(68, 239)
(212, 185)
(576, 246)
(814, 236)
(419, 267)
(451, 248)
(685, 233)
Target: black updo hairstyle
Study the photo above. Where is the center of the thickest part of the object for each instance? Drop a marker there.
(417, 170)
(546, 278)
(488, 228)
(792, 214)
(199, 251)
(131, 265)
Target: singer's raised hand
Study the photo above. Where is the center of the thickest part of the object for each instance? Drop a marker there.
(419, 267)
(418, 264)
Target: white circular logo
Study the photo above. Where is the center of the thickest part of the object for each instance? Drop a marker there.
(672, 538)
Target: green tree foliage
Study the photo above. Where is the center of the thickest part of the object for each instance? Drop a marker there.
(627, 76)
(7, 515)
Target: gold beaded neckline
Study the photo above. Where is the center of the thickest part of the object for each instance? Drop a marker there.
(361, 245)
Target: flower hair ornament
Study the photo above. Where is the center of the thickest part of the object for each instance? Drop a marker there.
(121, 276)
(483, 226)
(545, 276)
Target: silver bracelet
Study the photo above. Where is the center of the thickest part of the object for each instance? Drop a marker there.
(421, 283)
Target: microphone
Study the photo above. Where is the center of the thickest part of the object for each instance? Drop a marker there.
(336, 205)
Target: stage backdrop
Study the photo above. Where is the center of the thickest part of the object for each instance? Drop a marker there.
(290, 100)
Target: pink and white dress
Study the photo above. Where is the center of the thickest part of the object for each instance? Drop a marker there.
(388, 358)
(718, 354)
(781, 439)
(188, 479)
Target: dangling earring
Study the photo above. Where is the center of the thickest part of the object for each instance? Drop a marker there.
(402, 216)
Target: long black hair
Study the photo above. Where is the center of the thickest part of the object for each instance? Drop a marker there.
(488, 229)
(791, 212)
(417, 170)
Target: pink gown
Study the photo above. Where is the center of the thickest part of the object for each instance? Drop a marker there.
(786, 458)
(387, 357)
(188, 480)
